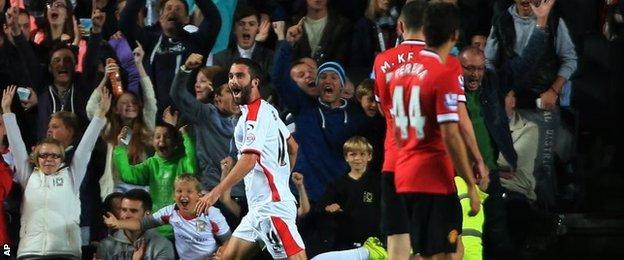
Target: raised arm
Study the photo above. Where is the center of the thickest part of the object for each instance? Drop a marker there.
(128, 22)
(82, 156)
(23, 169)
(191, 108)
(226, 198)
(149, 97)
(206, 36)
(189, 161)
(91, 62)
(304, 201)
(31, 69)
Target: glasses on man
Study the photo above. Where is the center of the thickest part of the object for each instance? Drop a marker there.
(49, 155)
(474, 68)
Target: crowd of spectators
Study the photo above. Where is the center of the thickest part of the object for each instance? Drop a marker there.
(116, 107)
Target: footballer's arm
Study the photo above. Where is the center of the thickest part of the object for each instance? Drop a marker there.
(293, 147)
(245, 164)
(456, 149)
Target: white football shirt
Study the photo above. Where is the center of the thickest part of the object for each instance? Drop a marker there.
(260, 130)
(194, 237)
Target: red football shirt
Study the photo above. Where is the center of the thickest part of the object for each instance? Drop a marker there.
(385, 64)
(425, 93)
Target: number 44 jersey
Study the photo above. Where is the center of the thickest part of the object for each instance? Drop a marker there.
(425, 93)
(260, 130)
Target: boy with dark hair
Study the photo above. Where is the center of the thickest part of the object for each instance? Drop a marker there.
(125, 244)
(246, 27)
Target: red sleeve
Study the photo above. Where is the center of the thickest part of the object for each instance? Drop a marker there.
(381, 89)
(6, 180)
(447, 96)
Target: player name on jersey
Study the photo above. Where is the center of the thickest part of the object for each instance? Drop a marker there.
(410, 69)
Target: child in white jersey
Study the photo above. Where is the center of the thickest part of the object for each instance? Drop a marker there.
(195, 237)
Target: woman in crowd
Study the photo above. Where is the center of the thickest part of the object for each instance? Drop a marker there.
(128, 110)
(51, 205)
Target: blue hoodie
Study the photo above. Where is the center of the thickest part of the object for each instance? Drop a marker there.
(321, 130)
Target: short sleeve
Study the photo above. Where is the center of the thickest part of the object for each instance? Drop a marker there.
(447, 96)
(217, 222)
(458, 72)
(163, 215)
(257, 126)
(381, 91)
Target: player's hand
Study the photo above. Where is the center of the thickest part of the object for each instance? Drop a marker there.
(206, 202)
(333, 208)
(111, 221)
(484, 182)
(475, 201)
(481, 170)
(297, 179)
(105, 103)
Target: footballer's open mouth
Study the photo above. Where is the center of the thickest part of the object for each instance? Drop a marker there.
(236, 91)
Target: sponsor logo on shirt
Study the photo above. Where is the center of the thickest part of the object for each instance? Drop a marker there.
(368, 197)
(450, 101)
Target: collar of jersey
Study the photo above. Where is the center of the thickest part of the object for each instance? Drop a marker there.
(414, 42)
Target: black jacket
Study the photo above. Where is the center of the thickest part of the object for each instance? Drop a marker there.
(334, 44)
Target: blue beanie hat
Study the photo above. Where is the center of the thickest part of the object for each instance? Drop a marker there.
(331, 66)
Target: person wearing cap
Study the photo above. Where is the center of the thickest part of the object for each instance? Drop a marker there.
(213, 115)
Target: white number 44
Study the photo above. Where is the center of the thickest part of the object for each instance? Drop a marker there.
(414, 118)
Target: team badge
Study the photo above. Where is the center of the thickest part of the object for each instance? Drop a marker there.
(452, 236)
(200, 226)
(368, 197)
(58, 181)
(250, 138)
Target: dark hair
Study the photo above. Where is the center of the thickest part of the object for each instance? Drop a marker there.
(23, 11)
(176, 138)
(412, 14)
(140, 195)
(62, 46)
(243, 11)
(441, 23)
(108, 201)
(254, 69)
(162, 3)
